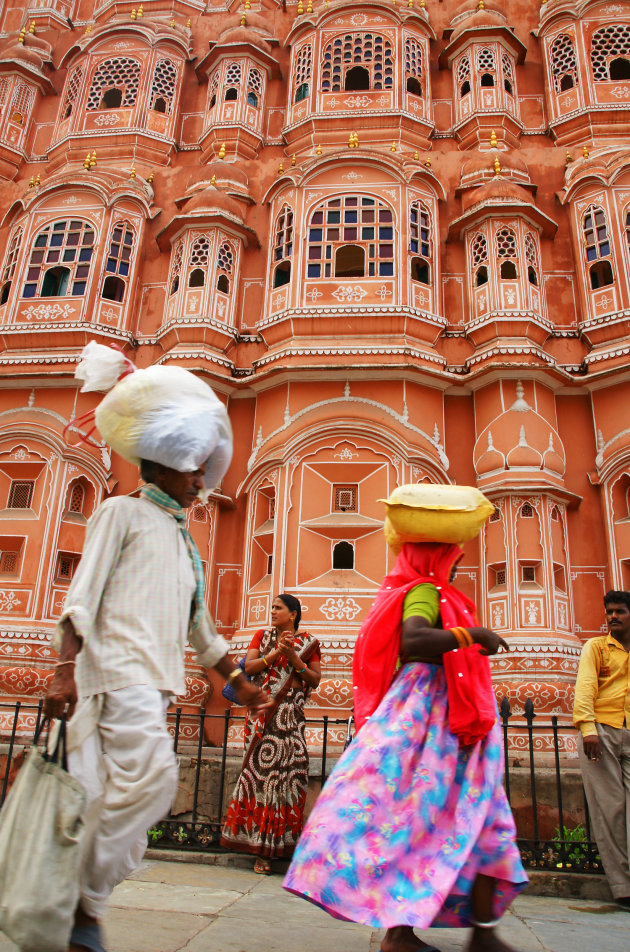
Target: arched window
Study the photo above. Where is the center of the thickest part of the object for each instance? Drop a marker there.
(563, 63)
(115, 84)
(531, 257)
(302, 72)
(345, 54)
(225, 264)
(254, 87)
(213, 86)
(350, 261)
(232, 82)
(463, 76)
(343, 556)
(507, 69)
(76, 498)
(527, 511)
(351, 220)
(283, 247)
(21, 103)
(413, 66)
(197, 278)
(610, 53)
(506, 253)
(597, 247)
(176, 267)
(55, 282)
(118, 261)
(198, 262)
(163, 86)
(10, 262)
(486, 67)
(479, 255)
(357, 78)
(67, 246)
(73, 89)
(420, 242)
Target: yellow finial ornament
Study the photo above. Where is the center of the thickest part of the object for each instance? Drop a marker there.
(86, 162)
(248, 4)
(31, 184)
(416, 155)
(318, 150)
(213, 180)
(31, 28)
(243, 20)
(392, 147)
(280, 169)
(422, 4)
(140, 11)
(585, 152)
(497, 166)
(88, 29)
(300, 8)
(38, 180)
(309, 6)
(568, 157)
(132, 172)
(410, 4)
(133, 15)
(22, 35)
(188, 23)
(150, 178)
(172, 23)
(427, 162)
(93, 160)
(481, 5)
(293, 160)
(222, 151)
(493, 140)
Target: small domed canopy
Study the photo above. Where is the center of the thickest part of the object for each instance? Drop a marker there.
(207, 208)
(480, 168)
(28, 59)
(253, 39)
(509, 198)
(473, 23)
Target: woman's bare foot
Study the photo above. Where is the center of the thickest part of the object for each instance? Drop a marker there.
(487, 940)
(403, 939)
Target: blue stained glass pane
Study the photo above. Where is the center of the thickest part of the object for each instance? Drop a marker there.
(111, 265)
(85, 254)
(123, 269)
(604, 249)
(29, 290)
(78, 288)
(386, 268)
(314, 271)
(315, 234)
(350, 217)
(386, 234)
(56, 240)
(591, 254)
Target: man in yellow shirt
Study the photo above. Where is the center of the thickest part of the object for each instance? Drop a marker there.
(601, 710)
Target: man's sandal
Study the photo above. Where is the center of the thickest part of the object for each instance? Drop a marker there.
(262, 868)
(87, 937)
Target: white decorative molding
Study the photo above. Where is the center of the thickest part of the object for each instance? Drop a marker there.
(340, 609)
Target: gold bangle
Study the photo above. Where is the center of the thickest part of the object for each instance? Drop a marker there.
(462, 636)
(233, 675)
(265, 661)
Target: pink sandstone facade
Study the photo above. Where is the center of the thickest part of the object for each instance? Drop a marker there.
(394, 238)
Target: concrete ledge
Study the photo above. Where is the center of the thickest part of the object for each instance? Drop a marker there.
(542, 883)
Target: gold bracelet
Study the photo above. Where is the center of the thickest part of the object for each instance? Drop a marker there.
(233, 675)
(462, 636)
(265, 660)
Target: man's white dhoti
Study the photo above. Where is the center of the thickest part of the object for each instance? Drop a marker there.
(120, 750)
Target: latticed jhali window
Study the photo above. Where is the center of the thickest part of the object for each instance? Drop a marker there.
(198, 262)
(358, 61)
(233, 79)
(213, 85)
(413, 66)
(486, 66)
(115, 84)
(60, 260)
(283, 247)
(563, 63)
(420, 242)
(21, 103)
(225, 262)
(73, 88)
(610, 52)
(463, 76)
(254, 87)
(596, 234)
(76, 498)
(531, 257)
(163, 86)
(303, 70)
(508, 73)
(20, 494)
(176, 267)
(351, 236)
(479, 257)
(506, 252)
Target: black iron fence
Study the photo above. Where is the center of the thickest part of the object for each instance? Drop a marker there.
(542, 778)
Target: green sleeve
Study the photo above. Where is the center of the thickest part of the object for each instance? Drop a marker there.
(422, 601)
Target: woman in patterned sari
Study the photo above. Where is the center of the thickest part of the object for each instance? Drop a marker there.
(266, 812)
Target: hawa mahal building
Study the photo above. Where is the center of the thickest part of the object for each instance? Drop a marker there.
(394, 237)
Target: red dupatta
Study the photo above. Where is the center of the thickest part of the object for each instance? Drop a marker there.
(378, 644)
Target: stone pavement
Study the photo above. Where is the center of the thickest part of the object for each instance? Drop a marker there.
(186, 907)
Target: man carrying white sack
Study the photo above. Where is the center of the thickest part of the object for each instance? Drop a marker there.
(136, 598)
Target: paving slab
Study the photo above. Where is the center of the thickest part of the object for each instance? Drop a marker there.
(197, 900)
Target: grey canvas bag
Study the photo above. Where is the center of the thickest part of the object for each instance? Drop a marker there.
(40, 835)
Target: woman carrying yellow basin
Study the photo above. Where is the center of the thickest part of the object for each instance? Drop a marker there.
(413, 828)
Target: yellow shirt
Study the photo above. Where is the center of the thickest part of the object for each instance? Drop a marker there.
(602, 689)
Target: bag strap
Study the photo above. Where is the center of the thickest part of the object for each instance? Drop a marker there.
(59, 753)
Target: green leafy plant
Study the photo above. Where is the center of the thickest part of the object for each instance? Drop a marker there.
(155, 834)
(569, 835)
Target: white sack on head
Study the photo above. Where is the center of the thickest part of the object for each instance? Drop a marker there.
(167, 415)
